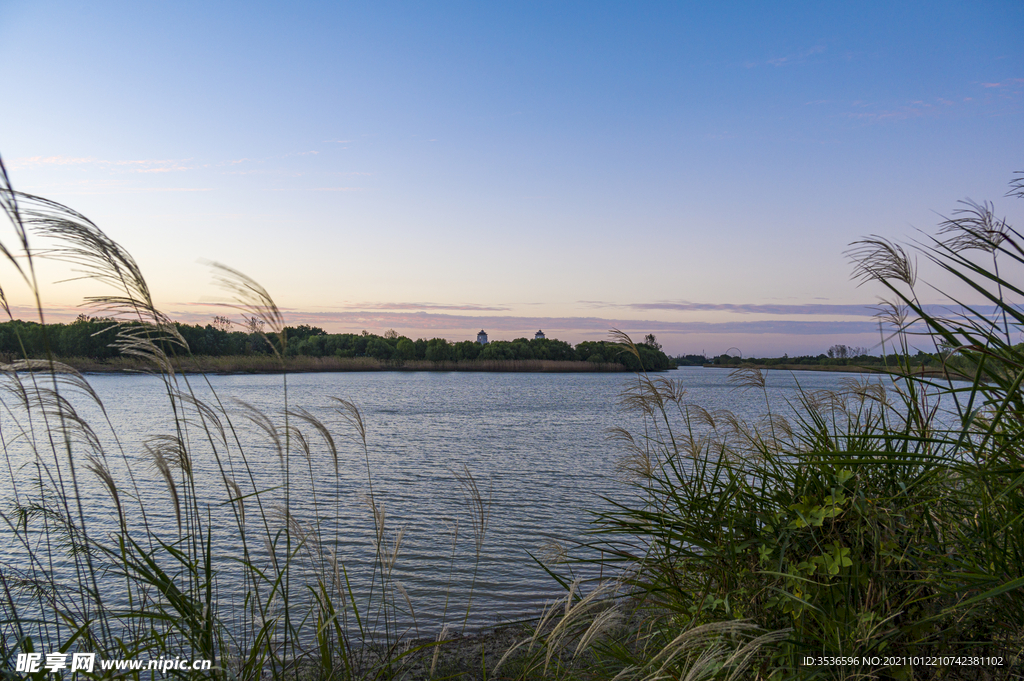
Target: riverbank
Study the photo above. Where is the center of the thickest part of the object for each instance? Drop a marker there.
(266, 364)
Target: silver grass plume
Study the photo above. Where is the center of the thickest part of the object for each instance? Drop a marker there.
(251, 299)
(746, 377)
(878, 259)
(1017, 185)
(101, 471)
(893, 313)
(142, 328)
(79, 242)
(479, 510)
(319, 427)
(236, 497)
(208, 416)
(264, 423)
(10, 207)
(164, 467)
(350, 413)
(974, 227)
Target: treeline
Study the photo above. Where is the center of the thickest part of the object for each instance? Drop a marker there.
(822, 360)
(691, 360)
(93, 338)
(837, 355)
(921, 358)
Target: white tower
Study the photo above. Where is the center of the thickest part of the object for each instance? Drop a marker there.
(481, 337)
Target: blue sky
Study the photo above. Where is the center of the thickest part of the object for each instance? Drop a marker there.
(690, 169)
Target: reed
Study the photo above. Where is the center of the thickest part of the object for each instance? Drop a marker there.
(882, 523)
(129, 550)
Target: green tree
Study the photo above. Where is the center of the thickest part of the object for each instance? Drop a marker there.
(378, 348)
(468, 350)
(496, 350)
(439, 350)
(652, 342)
(405, 349)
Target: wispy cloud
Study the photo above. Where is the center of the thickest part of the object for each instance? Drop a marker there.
(276, 172)
(456, 325)
(439, 321)
(815, 309)
(169, 168)
(145, 165)
(770, 309)
(100, 190)
(132, 165)
(906, 111)
(994, 97)
(1011, 83)
(167, 189)
(36, 161)
(318, 189)
(469, 307)
(789, 59)
(798, 57)
(53, 314)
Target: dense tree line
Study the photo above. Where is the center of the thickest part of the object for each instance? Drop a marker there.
(94, 338)
(837, 355)
(691, 360)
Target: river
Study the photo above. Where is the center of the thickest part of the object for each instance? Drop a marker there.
(536, 446)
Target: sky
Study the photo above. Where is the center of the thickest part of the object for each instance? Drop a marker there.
(693, 170)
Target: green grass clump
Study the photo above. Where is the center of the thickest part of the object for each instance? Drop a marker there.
(883, 523)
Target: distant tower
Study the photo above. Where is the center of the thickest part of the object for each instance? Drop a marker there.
(481, 337)
(538, 336)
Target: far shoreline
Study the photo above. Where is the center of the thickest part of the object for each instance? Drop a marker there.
(263, 364)
(842, 368)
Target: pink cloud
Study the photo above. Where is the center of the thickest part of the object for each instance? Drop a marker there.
(425, 306)
(772, 309)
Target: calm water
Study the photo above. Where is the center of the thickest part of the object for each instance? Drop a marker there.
(535, 443)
